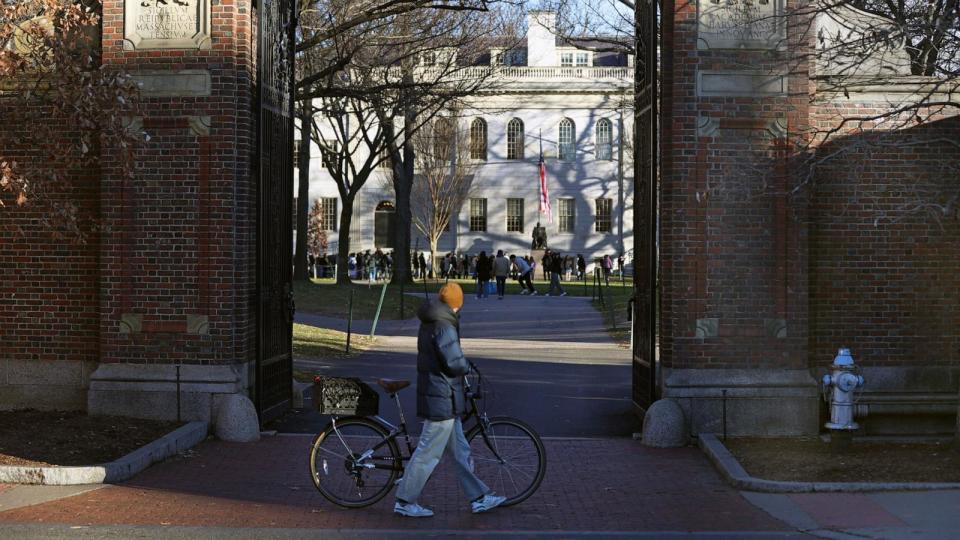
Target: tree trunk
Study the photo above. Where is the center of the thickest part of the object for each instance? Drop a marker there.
(300, 270)
(343, 243)
(434, 240)
(403, 177)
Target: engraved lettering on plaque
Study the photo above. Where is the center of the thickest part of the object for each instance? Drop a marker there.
(166, 24)
(740, 24)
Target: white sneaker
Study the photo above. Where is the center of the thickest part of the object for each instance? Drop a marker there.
(487, 502)
(534, 293)
(563, 294)
(523, 292)
(414, 509)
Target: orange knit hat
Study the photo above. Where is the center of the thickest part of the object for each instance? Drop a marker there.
(452, 295)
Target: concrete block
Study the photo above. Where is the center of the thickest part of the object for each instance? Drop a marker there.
(158, 392)
(236, 419)
(43, 397)
(758, 402)
(664, 425)
(151, 405)
(47, 372)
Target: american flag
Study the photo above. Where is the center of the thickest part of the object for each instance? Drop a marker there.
(544, 195)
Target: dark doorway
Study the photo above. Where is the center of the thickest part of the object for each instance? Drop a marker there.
(384, 221)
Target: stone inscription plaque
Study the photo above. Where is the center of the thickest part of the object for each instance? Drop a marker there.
(166, 24)
(740, 24)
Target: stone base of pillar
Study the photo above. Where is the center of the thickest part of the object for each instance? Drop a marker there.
(759, 402)
(59, 385)
(163, 392)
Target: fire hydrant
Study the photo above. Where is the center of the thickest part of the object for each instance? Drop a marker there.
(844, 382)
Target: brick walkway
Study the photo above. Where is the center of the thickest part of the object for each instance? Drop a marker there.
(591, 484)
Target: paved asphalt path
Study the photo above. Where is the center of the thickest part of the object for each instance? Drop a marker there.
(546, 360)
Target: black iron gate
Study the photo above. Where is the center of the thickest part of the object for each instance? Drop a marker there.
(275, 45)
(645, 384)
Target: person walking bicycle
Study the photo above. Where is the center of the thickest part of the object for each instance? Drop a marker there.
(441, 402)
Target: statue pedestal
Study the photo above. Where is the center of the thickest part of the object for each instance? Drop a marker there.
(537, 255)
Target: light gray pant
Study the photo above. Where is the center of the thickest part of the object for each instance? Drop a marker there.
(435, 437)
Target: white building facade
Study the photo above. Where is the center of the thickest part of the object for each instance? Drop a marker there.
(577, 106)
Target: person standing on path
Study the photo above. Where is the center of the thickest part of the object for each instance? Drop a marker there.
(524, 273)
(483, 265)
(607, 267)
(501, 268)
(554, 263)
(441, 402)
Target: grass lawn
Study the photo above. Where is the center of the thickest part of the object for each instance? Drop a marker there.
(324, 297)
(310, 342)
(614, 309)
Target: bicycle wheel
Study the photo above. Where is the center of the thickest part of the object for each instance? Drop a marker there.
(354, 465)
(517, 472)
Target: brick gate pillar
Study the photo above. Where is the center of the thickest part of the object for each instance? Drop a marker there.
(733, 245)
(177, 258)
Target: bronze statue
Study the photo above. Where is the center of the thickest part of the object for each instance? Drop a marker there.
(539, 237)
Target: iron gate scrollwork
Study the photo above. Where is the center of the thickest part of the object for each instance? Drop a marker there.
(645, 316)
(275, 46)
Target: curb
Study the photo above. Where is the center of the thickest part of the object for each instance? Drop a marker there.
(126, 467)
(737, 476)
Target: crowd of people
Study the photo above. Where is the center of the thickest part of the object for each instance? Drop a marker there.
(555, 266)
(374, 266)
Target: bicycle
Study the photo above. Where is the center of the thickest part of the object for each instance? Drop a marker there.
(356, 460)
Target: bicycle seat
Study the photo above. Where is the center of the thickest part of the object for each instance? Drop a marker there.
(391, 386)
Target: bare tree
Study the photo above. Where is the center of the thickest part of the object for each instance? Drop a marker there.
(349, 137)
(434, 59)
(305, 112)
(445, 164)
(51, 76)
(373, 56)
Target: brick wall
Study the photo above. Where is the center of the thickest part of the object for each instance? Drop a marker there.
(733, 247)
(48, 295)
(177, 264)
(883, 271)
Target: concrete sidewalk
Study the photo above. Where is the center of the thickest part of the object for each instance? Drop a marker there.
(566, 319)
(547, 360)
(592, 485)
(596, 488)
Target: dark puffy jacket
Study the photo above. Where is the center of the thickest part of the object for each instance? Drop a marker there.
(440, 364)
(483, 268)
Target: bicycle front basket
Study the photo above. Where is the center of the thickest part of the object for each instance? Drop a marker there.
(345, 397)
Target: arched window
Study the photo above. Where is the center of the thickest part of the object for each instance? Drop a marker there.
(478, 139)
(604, 139)
(515, 139)
(567, 147)
(442, 139)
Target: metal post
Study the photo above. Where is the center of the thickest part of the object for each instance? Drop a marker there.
(724, 419)
(401, 301)
(349, 318)
(613, 317)
(383, 294)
